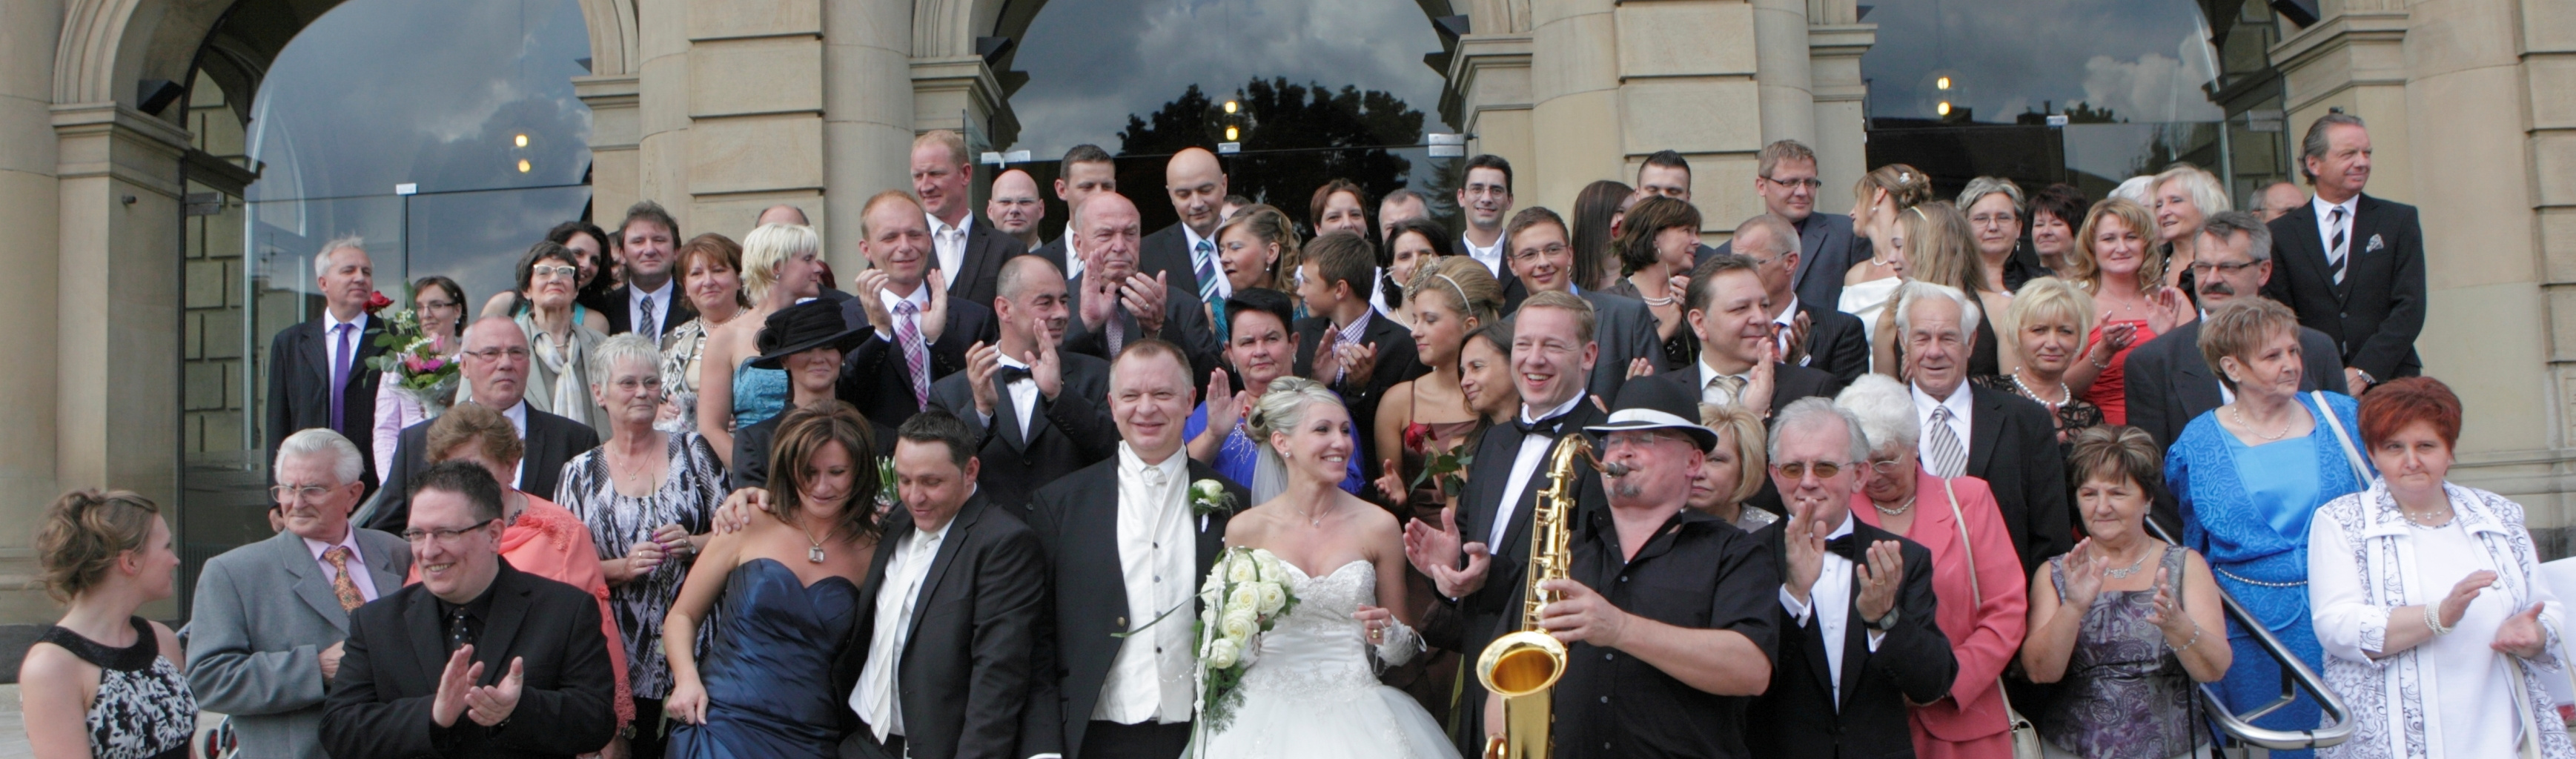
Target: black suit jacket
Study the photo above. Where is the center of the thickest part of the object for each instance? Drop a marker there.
(1827, 247)
(380, 703)
(1167, 251)
(1067, 433)
(621, 311)
(1054, 252)
(1397, 362)
(751, 451)
(299, 387)
(2374, 316)
(1913, 663)
(2012, 445)
(964, 671)
(1836, 342)
(2170, 384)
(1185, 323)
(1788, 383)
(1490, 611)
(981, 267)
(552, 440)
(873, 374)
(1513, 290)
(1076, 519)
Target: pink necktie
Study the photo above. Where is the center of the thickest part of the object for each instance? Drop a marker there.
(916, 356)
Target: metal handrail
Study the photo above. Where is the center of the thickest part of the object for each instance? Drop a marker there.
(2295, 677)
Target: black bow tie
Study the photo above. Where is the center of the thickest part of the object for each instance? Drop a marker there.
(1849, 547)
(1009, 374)
(1547, 426)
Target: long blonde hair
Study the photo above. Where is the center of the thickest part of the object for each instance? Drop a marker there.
(2084, 268)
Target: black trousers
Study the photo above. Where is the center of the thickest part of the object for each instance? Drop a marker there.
(1110, 740)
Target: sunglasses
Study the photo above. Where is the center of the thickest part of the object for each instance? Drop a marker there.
(1797, 470)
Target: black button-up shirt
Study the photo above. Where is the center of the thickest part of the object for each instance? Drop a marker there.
(1696, 572)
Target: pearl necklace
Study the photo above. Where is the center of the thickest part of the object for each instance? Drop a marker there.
(1898, 511)
(2239, 413)
(2063, 395)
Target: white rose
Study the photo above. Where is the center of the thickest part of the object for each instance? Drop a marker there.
(1272, 597)
(1246, 596)
(1238, 569)
(1271, 569)
(1222, 653)
(1239, 625)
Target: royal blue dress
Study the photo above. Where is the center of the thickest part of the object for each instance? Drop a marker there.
(2246, 509)
(769, 674)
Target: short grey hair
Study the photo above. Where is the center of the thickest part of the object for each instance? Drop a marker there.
(1918, 290)
(2315, 144)
(1809, 412)
(2226, 224)
(626, 346)
(2139, 189)
(1981, 187)
(322, 260)
(347, 464)
(1787, 233)
(1885, 408)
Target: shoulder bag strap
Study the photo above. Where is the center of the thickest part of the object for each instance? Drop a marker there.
(1961, 520)
(2351, 455)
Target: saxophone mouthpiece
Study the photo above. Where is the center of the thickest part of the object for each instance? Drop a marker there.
(1616, 469)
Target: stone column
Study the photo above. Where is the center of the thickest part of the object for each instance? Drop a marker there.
(2548, 73)
(1686, 83)
(616, 127)
(755, 108)
(868, 114)
(1489, 97)
(1780, 57)
(29, 198)
(1576, 117)
(1835, 41)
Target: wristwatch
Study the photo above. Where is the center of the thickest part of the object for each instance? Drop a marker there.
(1882, 624)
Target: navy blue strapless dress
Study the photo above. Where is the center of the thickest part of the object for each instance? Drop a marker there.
(768, 679)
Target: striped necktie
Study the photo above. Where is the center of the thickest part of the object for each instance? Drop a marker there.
(916, 355)
(2338, 247)
(1203, 264)
(1949, 457)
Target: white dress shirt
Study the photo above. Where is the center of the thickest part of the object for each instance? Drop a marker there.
(1150, 679)
(949, 242)
(1491, 257)
(331, 344)
(1190, 240)
(1961, 404)
(2326, 225)
(357, 562)
(518, 415)
(1709, 394)
(1072, 260)
(920, 298)
(1024, 395)
(659, 314)
(1830, 601)
(1524, 467)
(1785, 323)
(874, 699)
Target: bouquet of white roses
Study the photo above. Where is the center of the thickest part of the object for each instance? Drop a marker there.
(1245, 594)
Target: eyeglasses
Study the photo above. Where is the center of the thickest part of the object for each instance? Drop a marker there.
(543, 270)
(495, 354)
(2204, 268)
(1629, 439)
(1809, 183)
(306, 493)
(1883, 466)
(1797, 470)
(418, 536)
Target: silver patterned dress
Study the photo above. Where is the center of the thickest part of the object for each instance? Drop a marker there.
(689, 493)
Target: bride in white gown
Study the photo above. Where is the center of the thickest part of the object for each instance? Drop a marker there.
(1311, 689)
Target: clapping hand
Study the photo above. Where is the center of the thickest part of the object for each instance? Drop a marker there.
(2463, 594)
(1878, 580)
(935, 318)
(1358, 360)
(2165, 612)
(2083, 569)
(1799, 329)
(2168, 308)
(981, 361)
(1435, 552)
(1045, 368)
(490, 705)
(1804, 540)
(455, 686)
(1099, 299)
(1391, 482)
(1759, 381)
(2522, 635)
(1639, 367)
(1144, 298)
(871, 285)
(1581, 615)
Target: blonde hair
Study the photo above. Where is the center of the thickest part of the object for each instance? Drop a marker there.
(2047, 298)
(1752, 462)
(2203, 187)
(1906, 186)
(769, 247)
(945, 138)
(1272, 226)
(85, 532)
(1471, 289)
(1283, 406)
(1941, 249)
(2084, 269)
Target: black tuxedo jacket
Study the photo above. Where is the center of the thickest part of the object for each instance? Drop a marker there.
(1067, 433)
(1827, 247)
(552, 440)
(1167, 251)
(1788, 383)
(1397, 362)
(1836, 342)
(964, 671)
(2374, 316)
(1513, 290)
(981, 267)
(299, 387)
(1491, 610)
(2170, 384)
(380, 703)
(1913, 663)
(1185, 323)
(620, 309)
(1076, 520)
(873, 374)
(2012, 445)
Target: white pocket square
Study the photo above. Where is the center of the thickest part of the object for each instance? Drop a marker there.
(2373, 245)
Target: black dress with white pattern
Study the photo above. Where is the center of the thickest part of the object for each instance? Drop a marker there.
(143, 709)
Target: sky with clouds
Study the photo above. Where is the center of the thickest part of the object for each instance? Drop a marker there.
(2143, 59)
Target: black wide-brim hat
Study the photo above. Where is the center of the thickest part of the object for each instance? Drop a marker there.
(803, 327)
(1657, 406)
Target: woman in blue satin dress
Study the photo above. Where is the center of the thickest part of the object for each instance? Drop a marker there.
(2247, 477)
(790, 585)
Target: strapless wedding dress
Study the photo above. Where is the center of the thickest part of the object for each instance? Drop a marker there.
(1312, 693)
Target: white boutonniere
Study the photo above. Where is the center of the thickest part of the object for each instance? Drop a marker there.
(1207, 497)
(2374, 245)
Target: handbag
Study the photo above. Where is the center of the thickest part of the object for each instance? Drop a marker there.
(2025, 736)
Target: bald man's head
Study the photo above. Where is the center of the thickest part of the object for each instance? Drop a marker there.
(781, 214)
(1109, 234)
(1196, 184)
(1014, 206)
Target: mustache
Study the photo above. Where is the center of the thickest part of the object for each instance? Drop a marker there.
(2216, 287)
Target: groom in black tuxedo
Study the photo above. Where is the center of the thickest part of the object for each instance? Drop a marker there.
(1126, 545)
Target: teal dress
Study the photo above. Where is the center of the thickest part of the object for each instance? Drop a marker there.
(2246, 509)
(758, 394)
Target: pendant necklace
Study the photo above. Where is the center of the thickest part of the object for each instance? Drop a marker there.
(2239, 412)
(814, 553)
(2117, 574)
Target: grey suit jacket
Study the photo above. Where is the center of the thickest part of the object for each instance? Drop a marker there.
(263, 613)
(1827, 246)
(1625, 329)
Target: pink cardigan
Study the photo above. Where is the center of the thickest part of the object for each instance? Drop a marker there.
(1970, 722)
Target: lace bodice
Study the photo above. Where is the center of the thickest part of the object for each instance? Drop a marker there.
(1318, 646)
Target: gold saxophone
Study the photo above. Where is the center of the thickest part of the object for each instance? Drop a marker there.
(1523, 666)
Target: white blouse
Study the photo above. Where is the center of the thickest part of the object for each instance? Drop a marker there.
(2366, 560)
